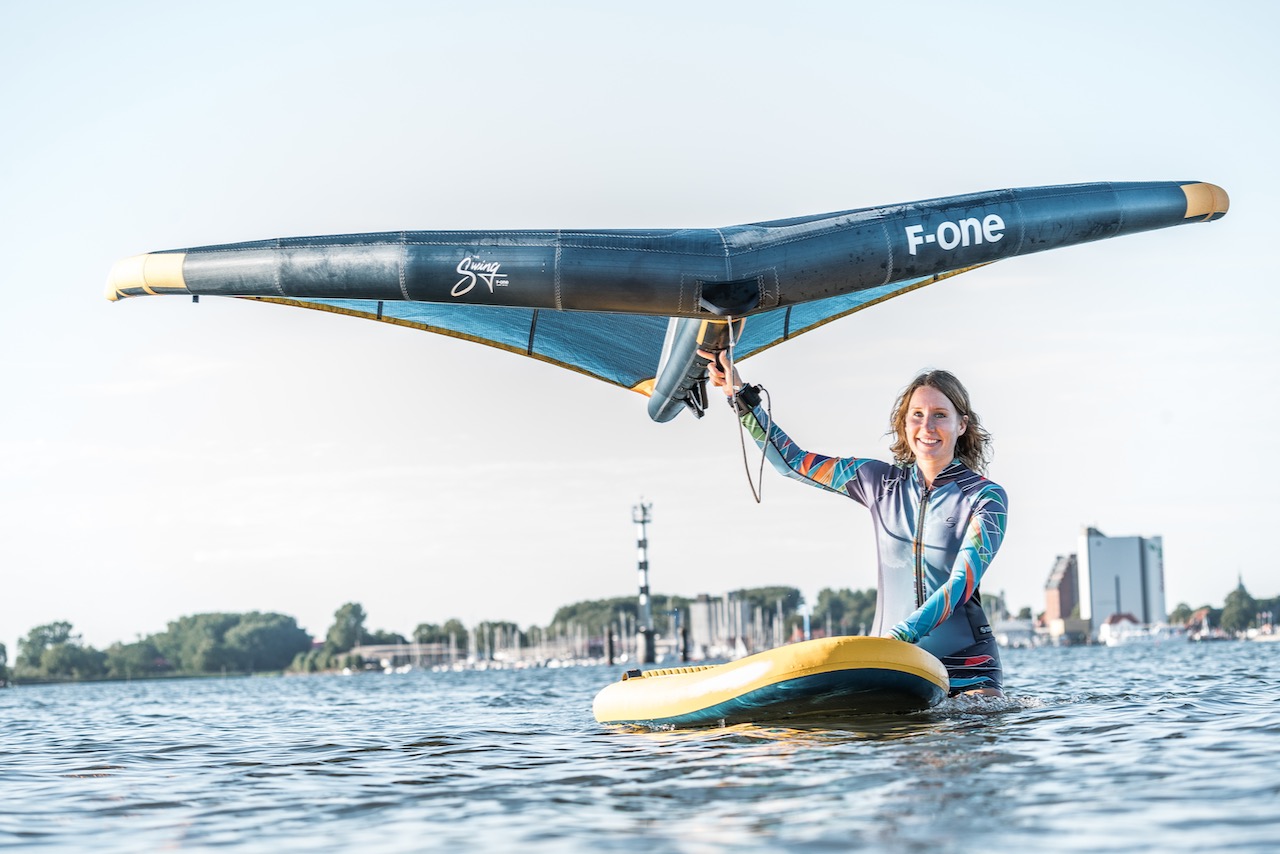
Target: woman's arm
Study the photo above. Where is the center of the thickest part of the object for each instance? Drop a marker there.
(837, 474)
(982, 541)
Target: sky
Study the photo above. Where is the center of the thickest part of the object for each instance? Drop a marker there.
(160, 458)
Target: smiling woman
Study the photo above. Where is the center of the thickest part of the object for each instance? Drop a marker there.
(938, 520)
(931, 430)
(934, 423)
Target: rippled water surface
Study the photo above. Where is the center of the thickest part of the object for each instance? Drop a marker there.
(1096, 749)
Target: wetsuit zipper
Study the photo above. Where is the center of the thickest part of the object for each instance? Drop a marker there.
(924, 505)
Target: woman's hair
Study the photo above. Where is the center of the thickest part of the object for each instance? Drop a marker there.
(973, 447)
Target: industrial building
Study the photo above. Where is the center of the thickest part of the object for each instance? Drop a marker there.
(1121, 575)
(1109, 577)
(1062, 603)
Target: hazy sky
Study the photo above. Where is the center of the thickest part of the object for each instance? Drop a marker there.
(159, 458)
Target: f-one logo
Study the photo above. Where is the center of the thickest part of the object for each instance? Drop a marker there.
(472, 270)
(949, 235)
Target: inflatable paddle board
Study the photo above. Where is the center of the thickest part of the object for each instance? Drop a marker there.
(828, 678)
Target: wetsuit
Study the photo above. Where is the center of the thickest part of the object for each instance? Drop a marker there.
(929, 573)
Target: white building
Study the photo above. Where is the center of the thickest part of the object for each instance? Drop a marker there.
(1120, 575)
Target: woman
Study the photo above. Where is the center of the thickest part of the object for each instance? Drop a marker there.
(929, 572)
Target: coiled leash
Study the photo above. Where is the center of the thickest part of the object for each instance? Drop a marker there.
(741, 407)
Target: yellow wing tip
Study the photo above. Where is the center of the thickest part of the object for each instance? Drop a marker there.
(153, 274)
(1205, 201)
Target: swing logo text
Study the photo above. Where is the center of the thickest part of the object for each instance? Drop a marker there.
(472, 270)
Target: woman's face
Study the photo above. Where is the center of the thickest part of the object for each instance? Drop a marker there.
(932, 427)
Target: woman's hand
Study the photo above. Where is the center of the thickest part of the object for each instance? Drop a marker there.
(719, 369)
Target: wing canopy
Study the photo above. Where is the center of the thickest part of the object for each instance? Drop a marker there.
(616, 348)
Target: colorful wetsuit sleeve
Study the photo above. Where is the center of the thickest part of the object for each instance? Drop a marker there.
(837, 474)
(982, 541)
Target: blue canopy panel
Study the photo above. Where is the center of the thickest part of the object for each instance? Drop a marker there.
(621, 349)
(764, 330)
(617, 348)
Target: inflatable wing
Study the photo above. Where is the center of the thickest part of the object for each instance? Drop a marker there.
(631, 307)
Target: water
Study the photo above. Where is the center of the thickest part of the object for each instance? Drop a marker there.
(1096, 749)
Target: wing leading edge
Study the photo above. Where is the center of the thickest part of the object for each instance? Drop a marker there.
(630, 307)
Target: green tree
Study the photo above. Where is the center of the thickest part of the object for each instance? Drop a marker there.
(316, 660)
(1025, 613)
(220, 642)
(844, 611)
(32, 647)
(72, 661)
(1240, 610)
(135, 660)
(382, 636)
(453, 628)
(4, 666)
(305, 662)
(1179, 615)
(595, 615)
(347, 630)
(55, 650)
(265, 642)
(195, 644)
(432, 633)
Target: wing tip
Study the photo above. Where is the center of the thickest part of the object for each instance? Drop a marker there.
(1205, 202)
(150, 274)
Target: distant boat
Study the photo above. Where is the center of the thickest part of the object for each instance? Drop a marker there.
(1016, 634)
(1125, 630)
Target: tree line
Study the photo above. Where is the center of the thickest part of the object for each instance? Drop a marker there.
(196, 645)
(257, 642)
(1239, 613)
